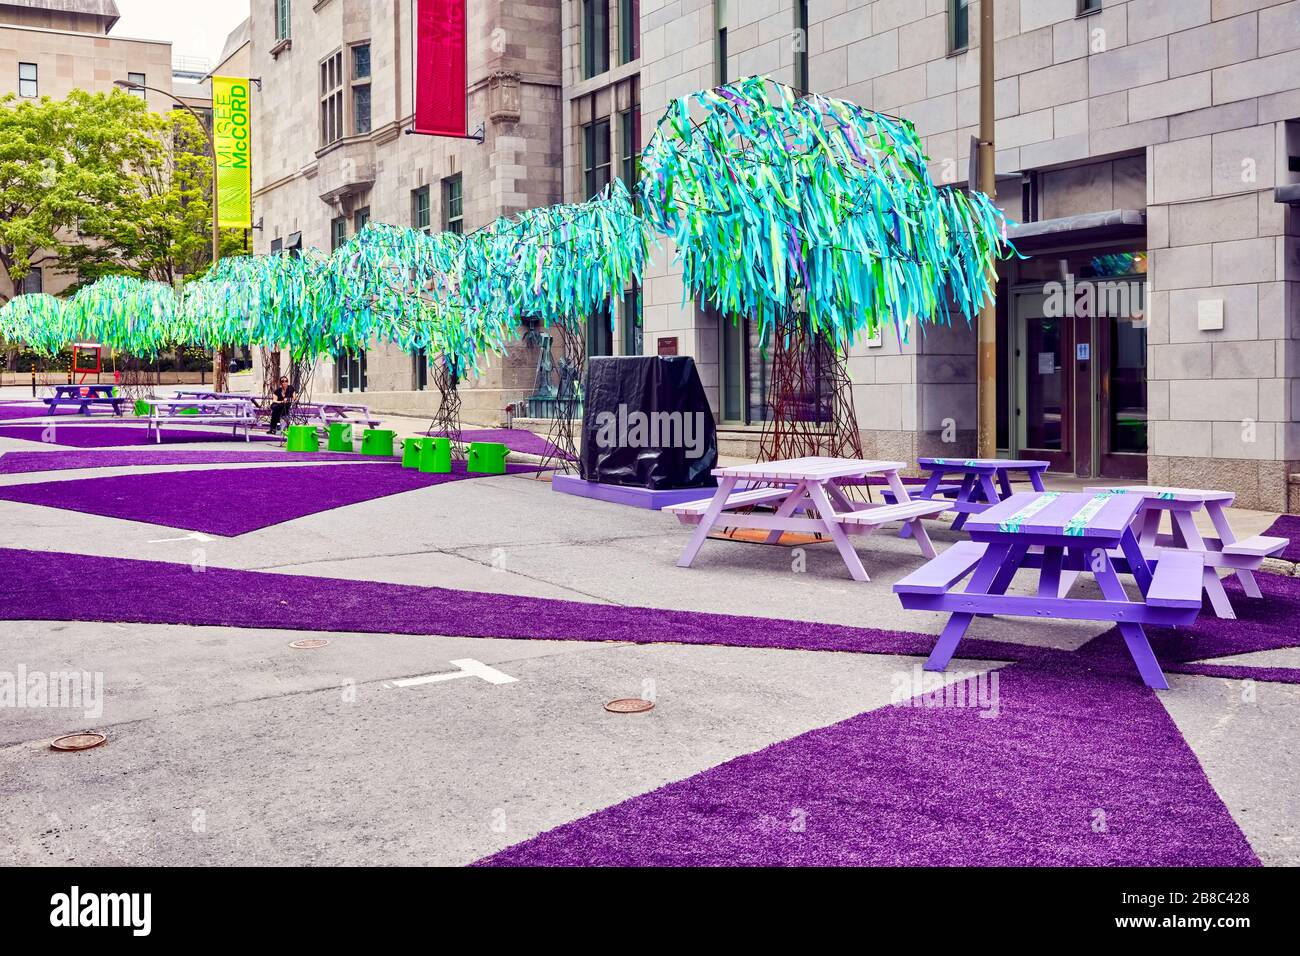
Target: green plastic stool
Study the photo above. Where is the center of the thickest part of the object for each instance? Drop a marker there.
(141, 408)
(435, 456)
(189, 411)
(302, 438)
(340, 436)
(412, 448)
(487, 457)
(377, 441)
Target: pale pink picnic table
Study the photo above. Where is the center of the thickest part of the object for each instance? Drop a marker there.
(1225, 551)
(812, 486)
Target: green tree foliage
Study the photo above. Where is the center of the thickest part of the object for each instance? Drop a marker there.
(98, 184)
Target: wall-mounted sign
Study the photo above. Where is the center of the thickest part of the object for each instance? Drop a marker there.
(668, 345)
(441, 70)
(1083, 351)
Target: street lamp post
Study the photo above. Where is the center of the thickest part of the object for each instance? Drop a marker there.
(218, 360)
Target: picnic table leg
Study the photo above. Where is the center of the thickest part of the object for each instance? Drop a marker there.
(914, 527)
(990, 492)
(1220, 521)
(707, 520)
(928, 492)
(964, 495)
(1185, 531)
(1134, 636)
(1036, 479)
(826, 511)
(957, 625)
(788, 507)
(1004, 482)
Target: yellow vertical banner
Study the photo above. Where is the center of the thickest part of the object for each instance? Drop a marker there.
(232, 136)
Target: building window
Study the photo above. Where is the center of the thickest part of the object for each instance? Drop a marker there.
(630, 121)
(801, 44)
(600, 332)
(27, 85)
(360, 218)
(632, 332)
(32, 283)
(331, 99)
(276, 246)
(338, 232)
(282, 19)
(420, 209)
(1089, 6)
(595, 37)
(629, 29)
(595, 157)
(361, 88)
(137, 80)
(453, 206)
(958, 25)
(350, 371)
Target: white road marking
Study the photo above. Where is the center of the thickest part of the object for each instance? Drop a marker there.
(468, 667)
(192, 536)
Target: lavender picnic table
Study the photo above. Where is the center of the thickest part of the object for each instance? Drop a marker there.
(83, 397)
(810, 485)
(984, 482)
(1059, 533)
(1244, 556)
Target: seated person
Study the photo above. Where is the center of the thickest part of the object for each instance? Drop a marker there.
(281, 398)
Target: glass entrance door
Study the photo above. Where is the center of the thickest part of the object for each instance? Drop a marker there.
(1043, 408)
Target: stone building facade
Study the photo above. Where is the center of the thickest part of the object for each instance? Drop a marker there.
(331, 152)
(51, 47)
(1149, 151)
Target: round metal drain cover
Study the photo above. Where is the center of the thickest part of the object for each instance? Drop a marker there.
(629, 705)
(308, 644)
(77, 741)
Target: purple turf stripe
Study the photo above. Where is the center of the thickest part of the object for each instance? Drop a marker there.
(1077, 769)
(1277, 675)
(1287, 526)
(40, 585)
(230, 502)
(26, 462)
(516, 439)
(72, 435)
(22, 411)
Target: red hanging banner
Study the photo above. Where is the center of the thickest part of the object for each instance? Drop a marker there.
(441, 82)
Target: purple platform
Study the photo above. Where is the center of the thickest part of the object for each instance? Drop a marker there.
(626, 495)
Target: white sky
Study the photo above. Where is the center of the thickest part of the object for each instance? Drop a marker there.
(197, 28)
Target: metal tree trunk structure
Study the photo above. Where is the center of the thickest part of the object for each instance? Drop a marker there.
(810, 398)
(446, 420)
(562, 455)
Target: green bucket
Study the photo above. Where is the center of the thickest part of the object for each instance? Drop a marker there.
(435, 456)
(487, 458)
(302, 438)
(142, 408)
(411, 451)
(377, 441)
(340, 436)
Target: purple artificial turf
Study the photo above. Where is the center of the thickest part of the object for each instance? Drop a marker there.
(23, 411)
(1287, 526)
(516, 439)
(1082, 766)
(229, 502)
(73, 435)
(26, 462)
(1077, 769)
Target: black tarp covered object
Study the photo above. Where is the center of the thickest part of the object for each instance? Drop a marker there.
(646, 423)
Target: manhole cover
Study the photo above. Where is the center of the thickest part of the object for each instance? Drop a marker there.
(309, 644)
(77, 741)
(629, 705)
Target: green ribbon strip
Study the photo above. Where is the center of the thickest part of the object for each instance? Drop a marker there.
(1013, 523)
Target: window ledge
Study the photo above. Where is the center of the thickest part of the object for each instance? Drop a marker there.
(959, 51)
(281, 46)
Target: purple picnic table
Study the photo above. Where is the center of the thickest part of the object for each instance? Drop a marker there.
(1061, 534)
(1226, 551)
(984, 482)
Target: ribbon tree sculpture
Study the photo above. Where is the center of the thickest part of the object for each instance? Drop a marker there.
(817, 219)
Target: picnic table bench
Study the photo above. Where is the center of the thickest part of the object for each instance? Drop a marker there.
(322, 414)
(1243, 557)
(811, 486)
(235, 412)
(83, 397)
(1061, 534)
